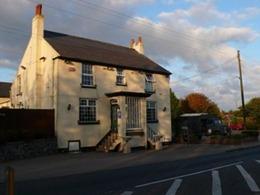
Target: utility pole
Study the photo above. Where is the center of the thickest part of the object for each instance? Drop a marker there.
(241, 88)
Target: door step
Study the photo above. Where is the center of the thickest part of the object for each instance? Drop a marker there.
(109, 142)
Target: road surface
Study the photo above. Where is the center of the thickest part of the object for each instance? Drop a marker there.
(227, 173)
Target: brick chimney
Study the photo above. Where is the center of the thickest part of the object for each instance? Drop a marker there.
(38, 22)
(36, 45)
(38, 9)
(137, 45)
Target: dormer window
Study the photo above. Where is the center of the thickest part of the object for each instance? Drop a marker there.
(120, 77)
(87, 79)
(149, 83)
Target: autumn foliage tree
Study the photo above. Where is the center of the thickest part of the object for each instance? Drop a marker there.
(199, 103)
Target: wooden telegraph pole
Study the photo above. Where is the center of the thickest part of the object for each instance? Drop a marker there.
(10, 180)
(241, 88)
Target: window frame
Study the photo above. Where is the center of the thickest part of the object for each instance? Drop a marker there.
(152, 109)
(19, 84)
(86, 107)
(87, 74)
(149, 82)
(122, 75)
(134, 113)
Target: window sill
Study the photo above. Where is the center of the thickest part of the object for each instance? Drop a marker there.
(89, 122)
(120, 84)
(134, 132)
(155, 121)
(88, 86)
(149, 92)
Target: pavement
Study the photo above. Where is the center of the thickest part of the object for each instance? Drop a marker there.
(65, 164)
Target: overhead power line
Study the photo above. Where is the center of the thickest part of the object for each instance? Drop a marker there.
(23, 33)
(206, 71)
(110, 25)
(147, 23)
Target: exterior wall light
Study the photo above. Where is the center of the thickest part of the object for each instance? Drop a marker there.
(69, 107)
(43, 58)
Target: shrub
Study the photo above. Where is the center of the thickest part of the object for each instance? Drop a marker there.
(251, 124)
(250, 133)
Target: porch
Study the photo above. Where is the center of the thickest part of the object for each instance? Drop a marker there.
(128, 121)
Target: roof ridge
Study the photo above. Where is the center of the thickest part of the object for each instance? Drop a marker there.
(86, 49)
(4, 82)
(94, 40)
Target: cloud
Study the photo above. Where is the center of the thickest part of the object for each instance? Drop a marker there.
(201, 37)
(6, 63)
(128, 2)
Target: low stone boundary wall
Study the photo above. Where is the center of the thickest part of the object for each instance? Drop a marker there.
(28, 149)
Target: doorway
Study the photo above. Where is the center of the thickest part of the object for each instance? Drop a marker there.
(114, 117)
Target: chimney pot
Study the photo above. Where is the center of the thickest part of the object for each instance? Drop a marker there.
(132, 42)
(140, 40)
(38, 9)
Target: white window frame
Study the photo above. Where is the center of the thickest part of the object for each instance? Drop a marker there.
(120, 73)
(149, 82)
(134, 113)
(151, 108)
(87, 75)
(19, 84)
(85, 107)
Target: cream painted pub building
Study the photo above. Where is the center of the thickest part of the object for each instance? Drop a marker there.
(101, 93)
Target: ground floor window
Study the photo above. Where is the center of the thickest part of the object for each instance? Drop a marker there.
(87, 110)
(133, 112)
(151, 111)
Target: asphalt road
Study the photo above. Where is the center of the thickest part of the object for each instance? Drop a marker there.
(228, 173)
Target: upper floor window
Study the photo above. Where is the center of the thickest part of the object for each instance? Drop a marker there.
(149, 82)
(87, 110)
(151, 111)
(87, 75)
(120, 77)
(19, 85)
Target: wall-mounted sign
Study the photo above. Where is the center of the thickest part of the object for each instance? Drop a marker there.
(113, 101)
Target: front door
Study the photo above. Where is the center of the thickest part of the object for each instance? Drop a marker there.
(114, 117)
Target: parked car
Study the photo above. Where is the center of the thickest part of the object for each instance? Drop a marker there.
(238, 126)
(200, 124)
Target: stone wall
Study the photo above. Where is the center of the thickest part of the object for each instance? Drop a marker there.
(28, 149)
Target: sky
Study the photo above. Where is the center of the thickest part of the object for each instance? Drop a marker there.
(197, 40)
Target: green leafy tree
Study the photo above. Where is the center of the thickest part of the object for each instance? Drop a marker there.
(175, 112)
(253, 110)
(175, 106)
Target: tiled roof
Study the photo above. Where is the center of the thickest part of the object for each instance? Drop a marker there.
(101, 53)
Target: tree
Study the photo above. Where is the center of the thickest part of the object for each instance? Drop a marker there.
(184, 106)
(175, 106)
(175, 113)
(214, 109)
(253, 110)
(199, 103)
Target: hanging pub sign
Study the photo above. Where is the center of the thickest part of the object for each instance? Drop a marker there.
(113, 101)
